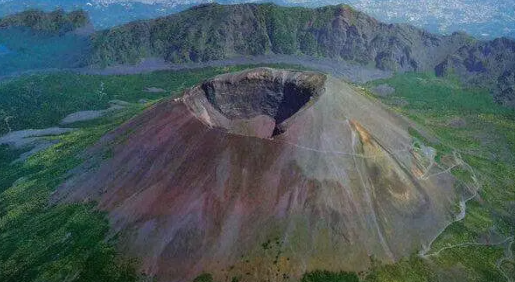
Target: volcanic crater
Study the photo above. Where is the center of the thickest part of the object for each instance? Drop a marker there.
(205, 183)
(255, 103)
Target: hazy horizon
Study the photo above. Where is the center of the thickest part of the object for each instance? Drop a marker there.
(481, 19)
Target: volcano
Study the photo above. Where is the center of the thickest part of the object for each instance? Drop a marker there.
(263, 175)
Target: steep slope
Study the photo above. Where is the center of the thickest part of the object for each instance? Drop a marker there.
(490, 64)
(215, 31)
(264, 174)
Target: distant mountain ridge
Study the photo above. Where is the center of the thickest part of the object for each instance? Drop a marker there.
(213, 32)
(57, 21)
(36, 40)
(486, 19)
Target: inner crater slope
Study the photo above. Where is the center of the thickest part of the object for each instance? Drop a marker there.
(256, 103)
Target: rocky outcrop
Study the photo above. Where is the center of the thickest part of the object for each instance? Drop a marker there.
(488, 64)
(206, 183)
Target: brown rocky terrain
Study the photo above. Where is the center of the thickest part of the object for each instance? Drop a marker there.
(266, 174)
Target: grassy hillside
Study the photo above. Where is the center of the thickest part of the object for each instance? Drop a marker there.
(468, 122)
(42, 100)
(40, 242)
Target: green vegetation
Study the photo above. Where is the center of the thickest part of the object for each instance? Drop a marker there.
(468, 122)
(42, 100)
(326, 276)
(282, 28)
(57, 21)
(205, 277)
(201, 33)
(412, 269)
(42, 242)
(430, 95)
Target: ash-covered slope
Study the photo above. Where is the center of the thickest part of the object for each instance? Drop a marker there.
(264, 174)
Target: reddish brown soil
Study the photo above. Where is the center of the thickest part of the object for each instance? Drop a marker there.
(338, 185)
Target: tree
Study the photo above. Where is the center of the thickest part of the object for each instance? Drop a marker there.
(6, 118)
